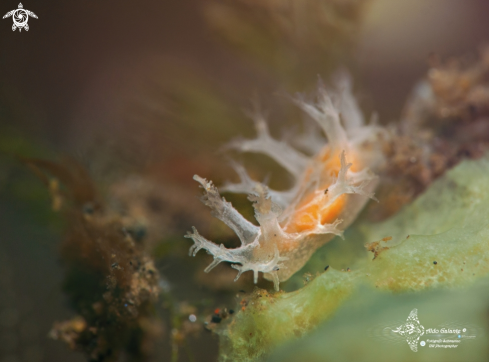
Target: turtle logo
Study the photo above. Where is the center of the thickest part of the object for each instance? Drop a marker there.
(20, 17)
(412, 330)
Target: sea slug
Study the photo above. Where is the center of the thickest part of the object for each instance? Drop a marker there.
(331, 187)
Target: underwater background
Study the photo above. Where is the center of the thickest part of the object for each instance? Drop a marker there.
(108, 109)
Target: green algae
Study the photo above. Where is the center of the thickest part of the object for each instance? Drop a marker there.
(268, 319)
(360, 329)
(439, 241)
(448, 231)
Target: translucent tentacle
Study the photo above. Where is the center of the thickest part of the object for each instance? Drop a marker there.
(220, 253)
(242, 255)
(287, 156)
(328, 118)
(223, 210)
(350, 112)
(311, 140)
(275, 279)
(344, 185)
(330, 228)
(247, 185)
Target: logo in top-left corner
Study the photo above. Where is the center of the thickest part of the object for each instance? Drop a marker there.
(20, 17)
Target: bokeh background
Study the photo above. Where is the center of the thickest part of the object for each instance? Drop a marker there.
(153, 87)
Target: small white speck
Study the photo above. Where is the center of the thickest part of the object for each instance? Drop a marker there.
(164, 285)
(192, 318)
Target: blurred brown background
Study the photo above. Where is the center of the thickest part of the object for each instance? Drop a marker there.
(74, 68)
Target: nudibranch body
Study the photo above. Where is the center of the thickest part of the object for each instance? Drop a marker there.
(330, 189)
